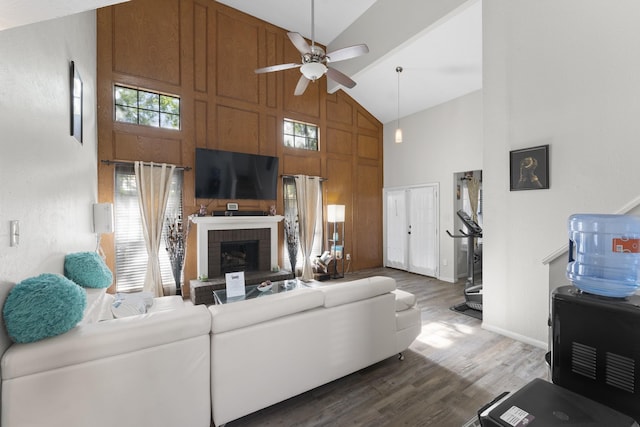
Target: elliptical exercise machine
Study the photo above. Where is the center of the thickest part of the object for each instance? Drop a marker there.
(472, 290)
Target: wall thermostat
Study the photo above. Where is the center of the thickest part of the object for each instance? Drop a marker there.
(232, 206)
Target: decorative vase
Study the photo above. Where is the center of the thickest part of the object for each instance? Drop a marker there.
(291, 234)
(293, 257)
(176, 268)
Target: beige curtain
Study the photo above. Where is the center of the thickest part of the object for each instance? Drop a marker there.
(154, 183)
(308, 197)
(473, 187)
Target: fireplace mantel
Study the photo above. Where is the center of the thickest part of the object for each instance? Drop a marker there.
(207, 223)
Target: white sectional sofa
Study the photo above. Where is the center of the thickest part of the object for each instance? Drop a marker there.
(184, 365)
(266, 350)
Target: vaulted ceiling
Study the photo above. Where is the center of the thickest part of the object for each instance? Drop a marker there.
(438, 43)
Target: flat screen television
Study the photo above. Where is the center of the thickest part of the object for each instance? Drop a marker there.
(230, 175)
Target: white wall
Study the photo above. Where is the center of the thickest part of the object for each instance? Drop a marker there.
(564, 73)
(438, 142)
(48, 181)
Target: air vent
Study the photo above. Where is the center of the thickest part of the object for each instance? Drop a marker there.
(620, 372)
(583, 360)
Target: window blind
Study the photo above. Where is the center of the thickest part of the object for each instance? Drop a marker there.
(131, 251)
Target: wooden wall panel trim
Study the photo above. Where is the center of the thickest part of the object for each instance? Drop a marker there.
(238, 130)
(237, 58)
(338, 189)
(339, 110)
(133, 147)
(302, 165)
(147, 39)
(368, 211)
(200, 48)
(367, 122)
(368, 147)
(270, 138)
(223, 110)
(339, 141)
(201, 123)
(271, 58)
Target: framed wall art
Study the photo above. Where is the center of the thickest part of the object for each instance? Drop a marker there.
(75, 102)
(529, 168)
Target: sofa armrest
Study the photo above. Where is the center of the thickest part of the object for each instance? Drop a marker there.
(356, 290)
(95, 341)
(236, 315)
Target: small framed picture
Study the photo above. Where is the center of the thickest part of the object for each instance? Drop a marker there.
(529, 168)
(75, 101)
(232, 206)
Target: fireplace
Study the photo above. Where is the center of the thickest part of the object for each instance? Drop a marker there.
(239, 256)
(239, 250)
(212, 231)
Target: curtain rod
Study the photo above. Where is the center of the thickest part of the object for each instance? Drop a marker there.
(112, 162)
(293, 176)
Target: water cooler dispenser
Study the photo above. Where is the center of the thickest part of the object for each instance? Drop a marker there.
(595, 335)
(595, 324)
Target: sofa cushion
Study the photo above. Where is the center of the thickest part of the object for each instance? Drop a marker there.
(240, 314)
(404, 300)
(356, 290)
(87, 269)
(43, 306)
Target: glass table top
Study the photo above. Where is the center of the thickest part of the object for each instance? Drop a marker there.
(252, 291)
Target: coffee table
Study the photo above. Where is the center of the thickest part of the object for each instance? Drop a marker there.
(251, 291)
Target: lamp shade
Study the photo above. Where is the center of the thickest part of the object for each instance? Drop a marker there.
(335, 213)
(398, 136)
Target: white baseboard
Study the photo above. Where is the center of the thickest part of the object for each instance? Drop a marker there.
(540, 344)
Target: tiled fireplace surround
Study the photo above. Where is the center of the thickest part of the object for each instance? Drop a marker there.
(213, 230)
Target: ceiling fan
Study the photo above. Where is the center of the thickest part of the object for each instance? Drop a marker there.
(315, 61)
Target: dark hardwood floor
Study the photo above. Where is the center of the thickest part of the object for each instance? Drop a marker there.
(452, 369)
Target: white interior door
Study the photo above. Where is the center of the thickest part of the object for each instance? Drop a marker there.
(423, 225)
(396, 226)
(411, 219)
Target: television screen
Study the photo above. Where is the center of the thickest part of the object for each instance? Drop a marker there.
(230, 175)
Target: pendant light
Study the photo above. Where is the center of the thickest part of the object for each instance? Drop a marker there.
(398, 130)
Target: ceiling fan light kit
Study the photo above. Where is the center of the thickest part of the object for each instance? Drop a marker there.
(313, 70)
(314, 60)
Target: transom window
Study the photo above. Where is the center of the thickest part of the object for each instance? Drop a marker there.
(146, 108)
(300, 135)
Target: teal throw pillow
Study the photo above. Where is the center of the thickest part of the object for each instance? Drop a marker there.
(87, 269)
(43, 306)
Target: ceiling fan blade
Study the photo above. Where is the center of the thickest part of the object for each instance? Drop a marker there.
(347, 52)
(276, 68)
(341, 78)
(299, 42)
(301, 86)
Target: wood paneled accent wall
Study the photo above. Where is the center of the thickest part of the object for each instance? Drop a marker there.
(206, 53)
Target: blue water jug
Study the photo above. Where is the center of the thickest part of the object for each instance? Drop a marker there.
(607, 254)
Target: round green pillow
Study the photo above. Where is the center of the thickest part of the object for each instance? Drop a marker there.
(88, 270)
(43, 306)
